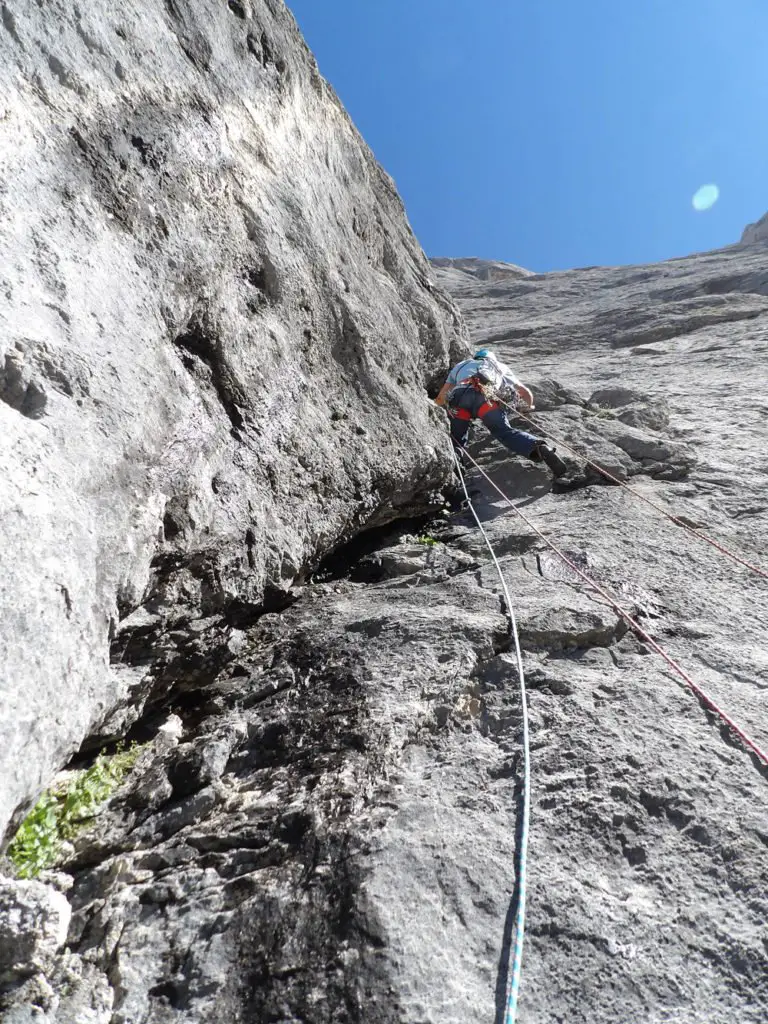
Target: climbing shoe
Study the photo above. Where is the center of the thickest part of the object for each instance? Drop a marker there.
(562, 484)
(543, 453)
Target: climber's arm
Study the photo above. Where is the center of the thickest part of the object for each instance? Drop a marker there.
(513, 382)
(525, 394)
(440, 400)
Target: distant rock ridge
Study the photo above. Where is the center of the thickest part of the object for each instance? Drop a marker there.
(483, 270)
(497, 270)
(756, 233)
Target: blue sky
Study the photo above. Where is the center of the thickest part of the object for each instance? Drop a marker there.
(557, 133)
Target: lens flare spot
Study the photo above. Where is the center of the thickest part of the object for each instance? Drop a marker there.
(705, 197)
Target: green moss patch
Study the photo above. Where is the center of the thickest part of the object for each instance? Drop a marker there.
(65, 809)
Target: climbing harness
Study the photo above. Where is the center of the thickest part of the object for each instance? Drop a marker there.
(658, 508)
(632, 623)
(487, 379)
(494, 393)
(465, 414)
(518, 936)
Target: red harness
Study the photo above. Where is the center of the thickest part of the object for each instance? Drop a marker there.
(485, 408)
(465, 414)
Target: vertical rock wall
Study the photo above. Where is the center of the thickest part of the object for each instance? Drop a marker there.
(216, 333)
(216, 329)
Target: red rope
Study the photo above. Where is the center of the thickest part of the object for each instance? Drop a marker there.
(633, 624)
(668, 515)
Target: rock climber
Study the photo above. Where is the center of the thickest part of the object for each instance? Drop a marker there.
(472, 391)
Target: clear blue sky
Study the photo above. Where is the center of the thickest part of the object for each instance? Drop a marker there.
(557, 133)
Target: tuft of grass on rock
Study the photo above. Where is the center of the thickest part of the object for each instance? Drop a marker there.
(427, 540)
(64, 810)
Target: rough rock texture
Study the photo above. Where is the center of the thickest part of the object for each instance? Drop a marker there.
(756, 233)
(329, 834)
(649, 853)
(483, 270)
(216, 329)
(207, 273)
(34, 919)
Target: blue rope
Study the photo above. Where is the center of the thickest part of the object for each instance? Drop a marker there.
(522, 862)
(518, 934)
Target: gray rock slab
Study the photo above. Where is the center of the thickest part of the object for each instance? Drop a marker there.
(217, 330)
(218, 337)
(34, 919)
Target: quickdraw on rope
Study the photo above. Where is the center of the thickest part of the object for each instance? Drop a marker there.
(632, 623)
(658, 508)
(518, 935)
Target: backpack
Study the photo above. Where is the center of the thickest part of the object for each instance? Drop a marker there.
(489, 374)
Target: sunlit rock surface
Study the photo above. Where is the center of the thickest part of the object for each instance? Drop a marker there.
(649, 849)
(218, 334)
(217, 331)
(757, 232)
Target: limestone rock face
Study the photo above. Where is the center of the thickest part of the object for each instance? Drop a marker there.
(483, 270)
(649, 830)
(756, 233)
(325, 828)
(218, 337)
(217, 331)
(34, 919)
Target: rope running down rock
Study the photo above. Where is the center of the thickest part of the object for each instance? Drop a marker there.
(633, 624)
(515, 973)
(614, 479)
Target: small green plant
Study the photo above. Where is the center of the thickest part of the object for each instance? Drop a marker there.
(63, 810)
(426, 539)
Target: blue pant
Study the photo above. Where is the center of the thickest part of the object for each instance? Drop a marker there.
(518, 441)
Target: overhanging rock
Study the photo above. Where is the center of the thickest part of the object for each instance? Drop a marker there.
(217, 330)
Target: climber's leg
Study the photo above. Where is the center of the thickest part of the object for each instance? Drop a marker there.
(518, 441)
(459, 431)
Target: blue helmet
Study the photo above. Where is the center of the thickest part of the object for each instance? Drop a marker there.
(482, 353)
